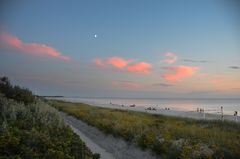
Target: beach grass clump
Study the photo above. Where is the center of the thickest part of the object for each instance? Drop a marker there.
(30, 128)
(169, 137)
(37, 131)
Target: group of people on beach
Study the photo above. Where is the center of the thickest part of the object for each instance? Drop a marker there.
(200, 110)
(150, 108)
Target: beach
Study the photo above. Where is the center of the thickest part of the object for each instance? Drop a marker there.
(122, 130)
(163, 111)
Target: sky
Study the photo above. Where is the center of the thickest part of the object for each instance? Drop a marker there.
(122, 48)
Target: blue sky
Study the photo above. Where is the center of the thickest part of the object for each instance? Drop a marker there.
(135, 32)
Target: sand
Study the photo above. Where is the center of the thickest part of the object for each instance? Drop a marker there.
(184, 114)
(108, 146)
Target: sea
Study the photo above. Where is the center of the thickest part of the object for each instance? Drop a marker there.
(211, 105)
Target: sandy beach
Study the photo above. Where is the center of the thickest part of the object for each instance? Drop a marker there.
(184, 114)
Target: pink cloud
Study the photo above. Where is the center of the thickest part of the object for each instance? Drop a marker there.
(170, 58)
(178, 72)
(118, 62)
(141, 67)
(124, 64)
(98, 62)
(11, 42)
(126, 85)
(217, 80)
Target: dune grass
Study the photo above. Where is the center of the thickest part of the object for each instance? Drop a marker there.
(37, 131)
(32, 129)
(169, 137)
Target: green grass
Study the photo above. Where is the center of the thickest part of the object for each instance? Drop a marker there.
(169, 137)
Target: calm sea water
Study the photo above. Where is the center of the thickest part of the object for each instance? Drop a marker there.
(209, 105)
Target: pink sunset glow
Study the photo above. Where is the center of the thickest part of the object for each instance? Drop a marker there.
(141, 67)
(179, 72)
(98, 62)
(125, 65)
(118, 62)
(11, 42)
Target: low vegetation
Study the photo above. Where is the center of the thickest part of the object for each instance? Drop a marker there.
(15, 92)
(31, 129)
(169, 137)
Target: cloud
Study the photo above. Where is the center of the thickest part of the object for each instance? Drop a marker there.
(194, 61)
(141, 67)
(124, 64)
(126, 85)
(98, 62)
(234, 67)
(118, 62)
(11, 42)
(170, 58)
(179, 72)
(217, 80)
(163, 84)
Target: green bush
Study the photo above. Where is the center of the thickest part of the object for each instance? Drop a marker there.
(15, 92)
(96, 156)
(37, 131)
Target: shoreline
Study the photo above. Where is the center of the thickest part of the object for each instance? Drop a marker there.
(175, 113)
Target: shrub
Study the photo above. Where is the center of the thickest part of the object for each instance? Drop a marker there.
(37, 131)
(15, 92)
(96, 156)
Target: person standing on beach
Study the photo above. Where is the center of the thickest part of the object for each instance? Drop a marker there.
(222, 112)
(204, 115)
(235, 114)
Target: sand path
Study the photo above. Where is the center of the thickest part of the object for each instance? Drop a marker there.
(108, 146)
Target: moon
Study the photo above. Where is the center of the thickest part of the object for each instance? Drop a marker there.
(95, 35)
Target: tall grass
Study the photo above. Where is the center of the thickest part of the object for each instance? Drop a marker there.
(29, 128)
(37, 131)
(170, 137)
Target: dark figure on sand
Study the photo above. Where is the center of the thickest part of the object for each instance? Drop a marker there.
(150, 108)
(133, 105)
(222, 112)
(235, 113)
